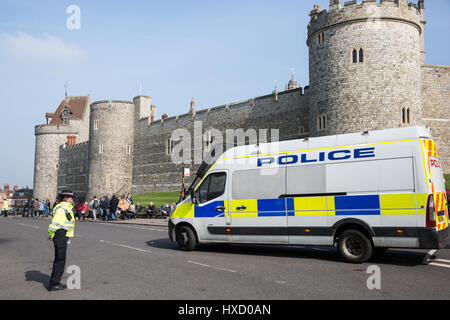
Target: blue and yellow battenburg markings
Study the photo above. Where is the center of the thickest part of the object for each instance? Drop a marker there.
(360, 205)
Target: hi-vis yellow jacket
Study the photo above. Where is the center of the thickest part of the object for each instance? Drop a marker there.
(63, 218)
(5, 205)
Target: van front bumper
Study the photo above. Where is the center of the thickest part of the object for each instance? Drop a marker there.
(429, 238)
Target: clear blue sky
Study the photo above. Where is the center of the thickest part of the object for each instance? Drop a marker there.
(215, 51)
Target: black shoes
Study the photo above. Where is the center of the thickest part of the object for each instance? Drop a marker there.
(57, 287)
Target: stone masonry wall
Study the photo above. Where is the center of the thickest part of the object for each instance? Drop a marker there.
(153, 170)
(73, 169)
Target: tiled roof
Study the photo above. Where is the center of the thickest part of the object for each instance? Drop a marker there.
(76, 104)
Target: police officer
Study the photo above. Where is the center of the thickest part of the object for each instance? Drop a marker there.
(60, 230)
(5, 207)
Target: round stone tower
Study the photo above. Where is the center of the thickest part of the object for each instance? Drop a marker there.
(111, 141)
(364, 64)
(49, 139)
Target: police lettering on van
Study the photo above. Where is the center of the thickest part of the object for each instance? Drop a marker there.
(321, 157)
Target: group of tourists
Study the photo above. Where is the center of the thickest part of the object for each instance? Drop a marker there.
(107, 209)
(36, 208)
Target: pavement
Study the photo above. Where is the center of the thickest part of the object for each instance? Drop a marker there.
(136, 260)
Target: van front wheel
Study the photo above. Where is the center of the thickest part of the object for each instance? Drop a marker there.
(354, 246)
(186, 239)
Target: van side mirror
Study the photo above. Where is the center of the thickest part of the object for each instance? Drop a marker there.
(194, 200)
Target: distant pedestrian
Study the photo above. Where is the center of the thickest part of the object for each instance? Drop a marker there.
(78, 209)
(95, 204)
(46, 208)
(59, 231)
(105, 209)
(5, 208)
(84, 210)
(41, 208)
(113, 203)
(35, 208)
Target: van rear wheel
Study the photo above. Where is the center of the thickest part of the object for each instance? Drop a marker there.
(354, 246)
(186, 239)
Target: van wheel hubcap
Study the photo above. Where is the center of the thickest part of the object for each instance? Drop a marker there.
(183, 238)
(354, 246)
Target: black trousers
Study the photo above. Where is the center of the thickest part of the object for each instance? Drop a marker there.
(59, 264)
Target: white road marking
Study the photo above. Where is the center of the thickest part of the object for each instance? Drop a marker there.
(439, 265)
(213, 267)
(125, 246)
(442, 260)
(27, 225)
(133, 227)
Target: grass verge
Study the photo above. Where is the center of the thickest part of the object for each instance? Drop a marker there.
(158, 198)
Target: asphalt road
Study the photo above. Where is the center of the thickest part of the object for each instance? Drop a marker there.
(139, 262)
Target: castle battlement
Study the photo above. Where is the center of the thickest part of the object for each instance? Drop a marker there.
(221, 108)
(55, 129)
(76, 147)
(368, 10)
(109, 103)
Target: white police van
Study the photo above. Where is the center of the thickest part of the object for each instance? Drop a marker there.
(378, 189)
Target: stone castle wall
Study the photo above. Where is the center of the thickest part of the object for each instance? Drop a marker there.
(153, 169)
(73, 173)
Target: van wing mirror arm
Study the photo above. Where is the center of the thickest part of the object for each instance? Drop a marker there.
(200, 174)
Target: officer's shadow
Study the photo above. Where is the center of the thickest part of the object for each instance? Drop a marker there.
(37, 276)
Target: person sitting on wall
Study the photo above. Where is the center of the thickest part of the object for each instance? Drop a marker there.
(151, 211)
(84, 210)
(124, 205)
(136, 210)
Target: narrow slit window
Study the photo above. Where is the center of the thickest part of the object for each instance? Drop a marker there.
(355, 56)
(361, 55)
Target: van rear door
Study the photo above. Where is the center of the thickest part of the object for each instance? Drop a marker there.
(437, 184)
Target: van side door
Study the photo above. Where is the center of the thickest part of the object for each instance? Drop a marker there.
(257, 207)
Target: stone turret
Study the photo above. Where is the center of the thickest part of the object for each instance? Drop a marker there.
(365, 62)
(69, 124)
(192, 107)
(111, 144)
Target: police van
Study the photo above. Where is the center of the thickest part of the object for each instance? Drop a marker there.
(362, 192)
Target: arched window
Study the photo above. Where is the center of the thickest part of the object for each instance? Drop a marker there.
(321, 122)
(321, 37)
(355, 56)
(361, 55)
(406, 115)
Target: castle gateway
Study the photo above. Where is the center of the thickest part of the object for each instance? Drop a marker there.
(367, 71)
